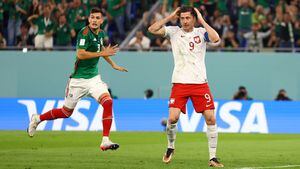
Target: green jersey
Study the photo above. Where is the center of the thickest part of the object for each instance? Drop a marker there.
(63, 35)
(89, 41)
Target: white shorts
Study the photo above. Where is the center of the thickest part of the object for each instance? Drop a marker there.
(78, 88)
(41, 41)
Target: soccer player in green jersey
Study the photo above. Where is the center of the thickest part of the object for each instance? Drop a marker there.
(85, 79)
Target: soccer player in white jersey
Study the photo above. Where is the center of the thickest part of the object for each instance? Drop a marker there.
(189, 74)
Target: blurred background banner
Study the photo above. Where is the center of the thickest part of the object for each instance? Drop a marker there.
(150, 115)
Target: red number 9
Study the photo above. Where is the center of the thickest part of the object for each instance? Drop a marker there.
(192, 45)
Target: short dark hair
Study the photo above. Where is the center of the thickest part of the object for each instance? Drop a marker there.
(188, 9)
(96, 10)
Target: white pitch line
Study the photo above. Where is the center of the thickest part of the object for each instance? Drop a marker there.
(283, 166)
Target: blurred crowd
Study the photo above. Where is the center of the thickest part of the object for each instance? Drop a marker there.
(250, 24)
(242, 94)
(48, 23)
(246, 24)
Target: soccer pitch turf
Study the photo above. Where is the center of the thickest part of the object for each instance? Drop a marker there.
(139, 150)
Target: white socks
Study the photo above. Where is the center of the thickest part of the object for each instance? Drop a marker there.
(212, 136)
(171, 134)
(105, 139)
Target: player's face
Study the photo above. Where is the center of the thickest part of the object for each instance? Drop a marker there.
(187, 21)
(95, 20)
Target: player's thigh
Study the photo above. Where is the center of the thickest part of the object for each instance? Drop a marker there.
(75, 90)
(39, 41)
(48, 42)
(97, 88)
(178, 98)
(202, 99)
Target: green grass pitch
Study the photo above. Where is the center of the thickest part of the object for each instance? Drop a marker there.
(139, 150)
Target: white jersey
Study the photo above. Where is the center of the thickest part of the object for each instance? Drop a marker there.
(189, 50)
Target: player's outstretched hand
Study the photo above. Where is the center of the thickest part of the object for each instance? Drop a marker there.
(119, 68)
(110, 50)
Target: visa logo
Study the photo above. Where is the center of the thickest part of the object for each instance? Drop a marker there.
(81, 121)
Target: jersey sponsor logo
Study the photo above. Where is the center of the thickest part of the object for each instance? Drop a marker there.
(82, 42)
(94, 39)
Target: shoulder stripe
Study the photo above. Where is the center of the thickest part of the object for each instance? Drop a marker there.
(85, 31)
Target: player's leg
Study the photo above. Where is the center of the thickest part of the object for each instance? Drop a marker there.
(99, 91)
(212, 136)
(177, 104)
(171, 129)
(203, 102)
(73, 94)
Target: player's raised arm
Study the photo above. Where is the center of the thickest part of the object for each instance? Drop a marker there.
(212, 34)
(108, 51)
(158, 27)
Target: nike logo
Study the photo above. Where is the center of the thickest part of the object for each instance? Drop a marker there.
(182, 36)
(208, 105)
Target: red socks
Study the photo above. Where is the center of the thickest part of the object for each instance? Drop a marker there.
(56, 113)
(106, 103)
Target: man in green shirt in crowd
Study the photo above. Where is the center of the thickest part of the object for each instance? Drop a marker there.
(44, 37)
(63, 32)
(85, 79)
(115, 13)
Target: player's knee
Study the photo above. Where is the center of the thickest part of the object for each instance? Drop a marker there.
(67, 112)
(173, 120)
(211, 121)
(107, 106)
(105, 100)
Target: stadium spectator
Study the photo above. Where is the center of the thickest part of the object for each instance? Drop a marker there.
(297, 33)
(35, 8)
(227, 32)
(148, 94)
(282, 96)
(63, 32)
(2, 41)
(273, 40)
(244, 19)
(258, 15)
(45, 25)
(286, 34)
(255, 38)
(115, 14)
(17, 12)
(242, 94)
(139, 42)
(77, 15)
(1, 15)
(229, 40)
(24, 39)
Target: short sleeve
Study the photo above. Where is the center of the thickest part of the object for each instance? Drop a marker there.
(170, 30)
(82, 41)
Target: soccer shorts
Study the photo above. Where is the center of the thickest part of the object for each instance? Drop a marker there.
(199, 93)
(78, 88)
